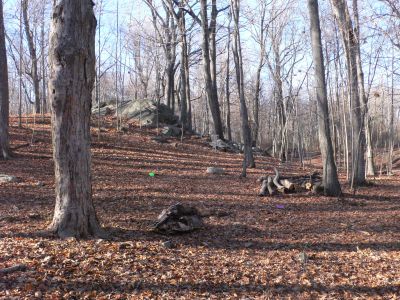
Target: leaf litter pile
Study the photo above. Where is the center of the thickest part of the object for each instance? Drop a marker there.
(286, 246)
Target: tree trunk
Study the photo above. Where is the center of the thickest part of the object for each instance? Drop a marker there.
(44, 86)
(213, 54)
(237, 55)
(4, 93)
(350, 42)
(227, 85)
(170, 86)
(261, 62)
(72, 73)
(32, 53)
(212, 95)
(370, 168)
(330, 180)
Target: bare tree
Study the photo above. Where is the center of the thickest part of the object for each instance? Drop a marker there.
(72, 73)
(165, 27)
(185, 105)
(227, 83)
(208, 47)
(33, 73)
(259, 35)
(4, 93)
(330, 180)
(237, 55)
(351, 46)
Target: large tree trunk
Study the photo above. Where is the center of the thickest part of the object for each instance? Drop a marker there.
(237, 55)
(370, 168)
(72, 73)
(350, 43)
(44, 85)
(212, 95)
(330, 180)
(170, 86)
(227, 85)
(213, 51)
(4, 93)
(32, 53)
(281, 112)
(261, 63)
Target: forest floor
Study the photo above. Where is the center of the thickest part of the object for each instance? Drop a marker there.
(254, 249)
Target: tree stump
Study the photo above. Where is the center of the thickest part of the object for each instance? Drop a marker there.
(178, 219)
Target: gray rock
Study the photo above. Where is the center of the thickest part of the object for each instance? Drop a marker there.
(303, 258)
(7, 178)
(171, 131)
(104, 110)
(214, 170)
(146, 112)
(168, 244)
(248, 244)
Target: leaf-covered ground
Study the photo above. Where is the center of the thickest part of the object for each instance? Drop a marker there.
(315, 247)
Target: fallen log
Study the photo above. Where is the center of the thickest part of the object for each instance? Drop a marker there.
(267, 184)
(287, 184)
(270, 187)
(290, 184)
(280, 187)
(13, 269)
(263, 189)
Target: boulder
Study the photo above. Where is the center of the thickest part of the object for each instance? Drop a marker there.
(214, 170)
(7, 178)
(145, 111)
(105, 110)
(221, 145)
(170, 130)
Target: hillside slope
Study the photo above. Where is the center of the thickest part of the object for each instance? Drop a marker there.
(250, 247)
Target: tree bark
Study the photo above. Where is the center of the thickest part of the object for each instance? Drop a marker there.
(4, 92)
(167, 38)
(330, 179)
(44, 85)
(237, 55)
(185, 106)
(72, 73)
(370, 168)
(350, 43)
(33, 56)
(212, 95)
(227, 85)
(261, 62)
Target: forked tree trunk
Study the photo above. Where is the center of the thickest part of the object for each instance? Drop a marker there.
(351, 46)
(4, 93)
(72, 73)
(330, 180)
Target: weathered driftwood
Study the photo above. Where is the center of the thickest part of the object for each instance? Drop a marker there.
(178, 219)
(285, 184)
